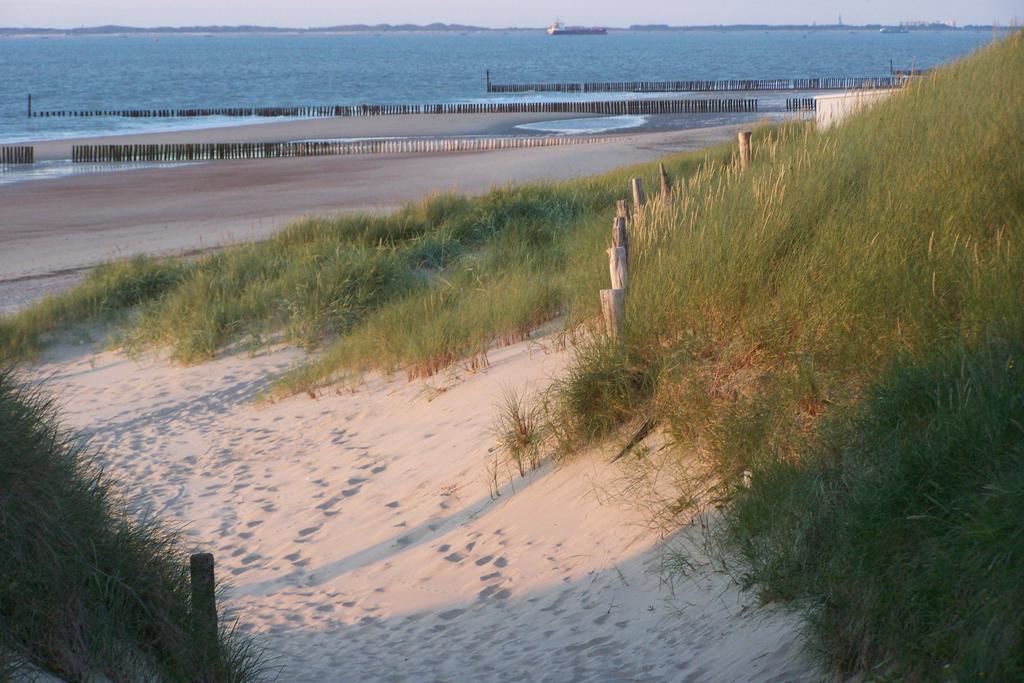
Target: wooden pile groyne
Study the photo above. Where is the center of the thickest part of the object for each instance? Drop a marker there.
(771, 84)
(276, 150)
(801, 104)
(9, 156)
(613, 107)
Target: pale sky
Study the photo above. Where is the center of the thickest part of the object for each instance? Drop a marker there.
(304, 13)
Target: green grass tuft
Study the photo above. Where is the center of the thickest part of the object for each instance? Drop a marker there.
(519, 430)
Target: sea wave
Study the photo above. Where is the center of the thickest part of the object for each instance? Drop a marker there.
(598, 124)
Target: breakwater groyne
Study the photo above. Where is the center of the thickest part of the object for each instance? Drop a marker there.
(10, 156)
(610, 108)
(281, 150)
(752, 85)
(801, 104)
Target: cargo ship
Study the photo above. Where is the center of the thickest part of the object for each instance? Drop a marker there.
(560, 29)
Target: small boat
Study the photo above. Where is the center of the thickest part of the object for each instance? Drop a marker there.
(560, 29)
(893, 29)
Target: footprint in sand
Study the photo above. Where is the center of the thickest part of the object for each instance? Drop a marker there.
(495, 592)
(330, 503)
(451, 614)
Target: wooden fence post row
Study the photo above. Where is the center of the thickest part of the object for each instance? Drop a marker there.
(613, 300)
(609, 107)
(11, 156)
(762, 84)
(210, 151)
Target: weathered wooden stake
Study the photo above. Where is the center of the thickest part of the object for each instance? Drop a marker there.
(613, 307)
(30, 106)
(204, 600)
(666, 183)
(620, 237)
(744, 149)
(618, 267)
(620, 209)
(639, 198)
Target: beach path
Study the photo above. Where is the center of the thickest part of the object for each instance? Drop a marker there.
(361, 538)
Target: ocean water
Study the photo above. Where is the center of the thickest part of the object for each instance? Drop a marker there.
(258, 70)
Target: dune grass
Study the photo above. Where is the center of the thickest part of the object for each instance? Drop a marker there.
(89, 589)
(836, 332)
(106, 292)
(413, 290)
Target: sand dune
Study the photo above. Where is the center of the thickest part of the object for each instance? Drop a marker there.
(361, 539)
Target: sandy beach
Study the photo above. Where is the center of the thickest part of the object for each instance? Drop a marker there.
(53, 229)
(362, 540)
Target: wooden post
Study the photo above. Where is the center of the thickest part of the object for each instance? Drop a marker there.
(744, 149)
(620, 238)
(618, 268)
(666, 183)
(613, 308)
(639, 198)
(620, 209)
(204, 601)
(30, 106)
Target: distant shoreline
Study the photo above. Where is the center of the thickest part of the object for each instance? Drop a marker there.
(358, 29)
